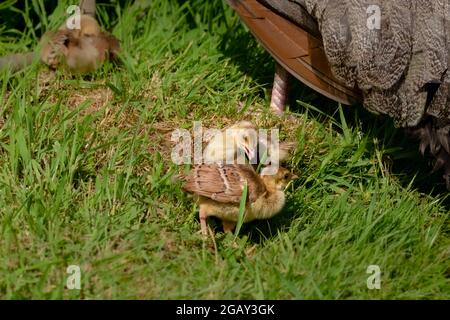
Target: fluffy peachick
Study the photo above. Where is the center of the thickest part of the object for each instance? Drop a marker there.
(219, 188)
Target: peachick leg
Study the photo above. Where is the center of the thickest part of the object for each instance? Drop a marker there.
(280, 90)
(203, 216)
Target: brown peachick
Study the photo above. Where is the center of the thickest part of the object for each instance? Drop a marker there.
(219, 188)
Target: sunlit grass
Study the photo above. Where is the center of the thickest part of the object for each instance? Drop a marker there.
(86, 176)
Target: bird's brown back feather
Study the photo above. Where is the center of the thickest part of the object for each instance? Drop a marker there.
(224, 183)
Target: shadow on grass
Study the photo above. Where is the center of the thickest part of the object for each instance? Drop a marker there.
(261, 230)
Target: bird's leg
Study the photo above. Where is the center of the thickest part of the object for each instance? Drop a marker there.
(228, 226)
(280, 90)
(203, 216)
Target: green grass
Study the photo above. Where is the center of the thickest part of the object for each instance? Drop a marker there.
(86, 177)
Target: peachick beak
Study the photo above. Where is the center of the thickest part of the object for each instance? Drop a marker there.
(250, 153)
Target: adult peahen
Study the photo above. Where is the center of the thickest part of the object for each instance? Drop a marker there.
(392, 56)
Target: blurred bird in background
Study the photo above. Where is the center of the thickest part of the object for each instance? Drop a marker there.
(78, 49)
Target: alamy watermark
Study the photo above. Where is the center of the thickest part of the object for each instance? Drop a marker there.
(374, 280)
(374, 19)
(74, 20)
(230, 146)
